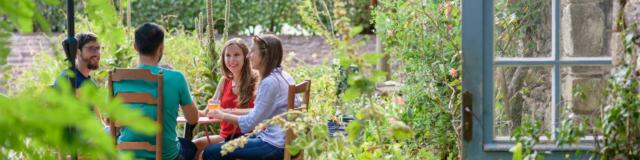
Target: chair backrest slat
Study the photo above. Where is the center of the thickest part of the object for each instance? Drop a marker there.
(134, 74)
(137, 97)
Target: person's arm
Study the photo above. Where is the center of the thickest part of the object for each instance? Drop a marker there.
(233, 119)
(238, 111)
(216, 96)
(190, 113)
(263, 108)
(219, 88)
(188, 105)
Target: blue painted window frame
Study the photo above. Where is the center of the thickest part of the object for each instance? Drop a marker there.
(478, 68)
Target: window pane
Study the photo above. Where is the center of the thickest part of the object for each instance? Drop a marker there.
(522, 94)
(586, 30)
(522, 28)
(583, 93)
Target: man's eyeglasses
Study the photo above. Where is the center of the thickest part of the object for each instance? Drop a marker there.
(94, 49)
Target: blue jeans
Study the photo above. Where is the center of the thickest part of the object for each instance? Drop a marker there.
(187, 150)
(254, 149)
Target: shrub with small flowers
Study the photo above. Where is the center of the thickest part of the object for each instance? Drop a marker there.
(425, 37)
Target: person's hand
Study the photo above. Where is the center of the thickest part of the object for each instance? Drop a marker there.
(212, 100)
(226, 110)
(202, 113)
(217, 114)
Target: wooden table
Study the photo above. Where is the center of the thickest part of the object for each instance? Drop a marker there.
(205, 121)
(201, 120)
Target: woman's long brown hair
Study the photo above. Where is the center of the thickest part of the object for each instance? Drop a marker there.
(270, 47)
(248, 78)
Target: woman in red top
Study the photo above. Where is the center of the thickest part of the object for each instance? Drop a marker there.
(235, 91)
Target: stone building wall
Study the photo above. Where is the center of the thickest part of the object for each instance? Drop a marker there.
(587, 30)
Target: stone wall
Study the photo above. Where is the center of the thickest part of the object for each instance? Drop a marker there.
(587, 30)
(25, 46)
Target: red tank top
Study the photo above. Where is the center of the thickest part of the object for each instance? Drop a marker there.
(228, 100)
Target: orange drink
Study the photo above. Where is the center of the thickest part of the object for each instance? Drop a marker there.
(213, 106)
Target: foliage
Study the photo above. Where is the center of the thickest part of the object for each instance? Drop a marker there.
(570, 132)
(56, 123)
(54, 14)
(39, 129)
(245, 14)
(323, 88)
(185, 52)
(620, 123)
(618, 127)
(341, 36)
(358, 12)
(41, 75)
(21, 16)
(425, 37)
(527, 136)
(375, 133)
(374, 136)
(180, 14)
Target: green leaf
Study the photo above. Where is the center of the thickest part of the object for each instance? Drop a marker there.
(351, 94)
(294, 149)
(52, 2)
(4, 44)
(517, 151)
(355, 31)
(372, 58)
(345, 61)
(353, 130)
(320, 131)
(378, 76)
(4, 53)
(25, 25)
(42, 22)
(454, 82)
(401, 130)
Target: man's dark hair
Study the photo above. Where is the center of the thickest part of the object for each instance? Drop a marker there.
(148, 38)
(84, 38)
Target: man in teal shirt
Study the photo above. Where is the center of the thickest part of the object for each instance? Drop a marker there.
(149, 43)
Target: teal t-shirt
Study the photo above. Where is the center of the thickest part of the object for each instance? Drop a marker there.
(176, 92)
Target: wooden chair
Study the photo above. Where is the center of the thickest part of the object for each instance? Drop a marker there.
(139, 97)
(304, 87)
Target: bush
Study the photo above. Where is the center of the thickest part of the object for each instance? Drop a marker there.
(374, 133)
(40, 128)
(184, 52)
(45, 123)
(425, 37)
(323, 88)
